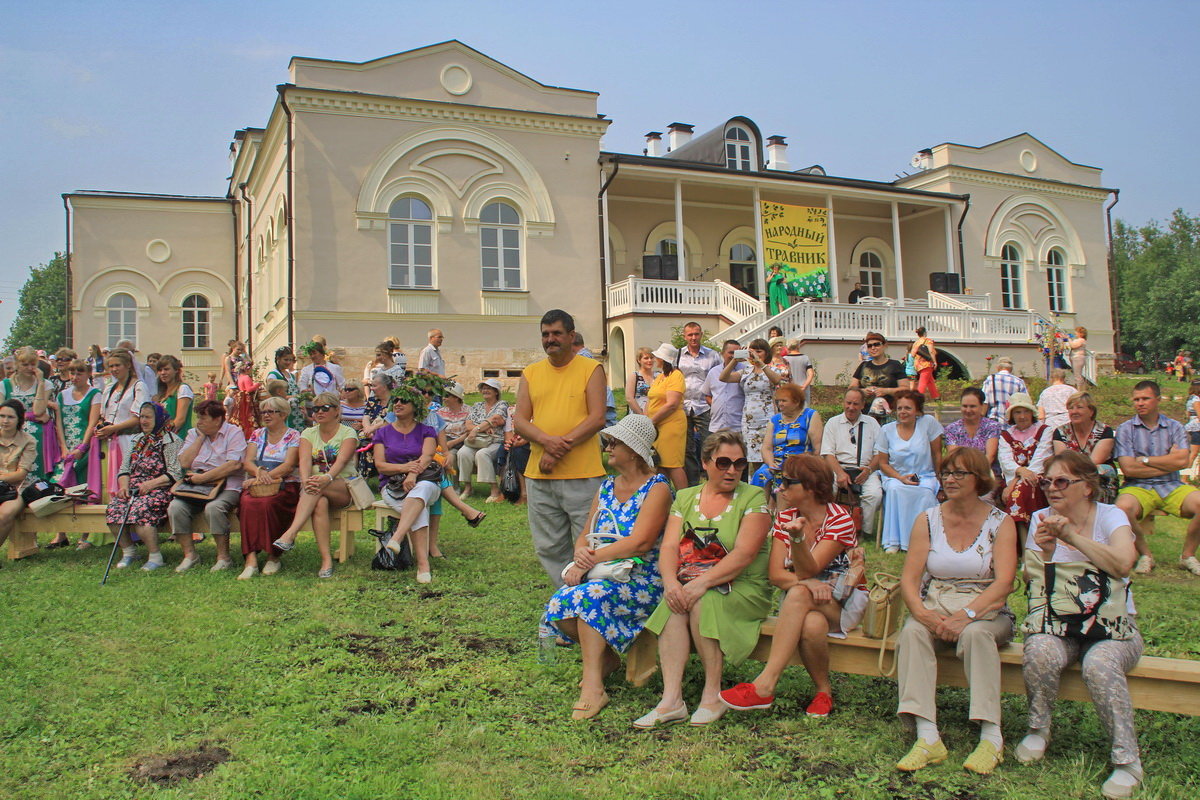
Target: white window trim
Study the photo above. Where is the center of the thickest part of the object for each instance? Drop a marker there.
(129, 315)
(432, 224)
(1018, 265)
(500, 227)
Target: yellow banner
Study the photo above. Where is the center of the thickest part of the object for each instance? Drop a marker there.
(796, 252)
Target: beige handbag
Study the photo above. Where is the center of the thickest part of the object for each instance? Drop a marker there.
(361, 495)
(885, 612)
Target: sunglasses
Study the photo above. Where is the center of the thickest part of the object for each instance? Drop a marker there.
(1058, 484)
(785, 483)
(725, 464)
(874, 344)
(958, 474)
(266, 411)
(325, 407)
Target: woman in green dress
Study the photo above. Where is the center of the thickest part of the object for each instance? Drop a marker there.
(285, 362)
(78, 413)
(718, 610)
(31, 390)
(174, 395)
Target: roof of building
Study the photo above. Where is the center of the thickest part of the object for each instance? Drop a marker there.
(1009, 139)
(143, 195)
(709, 147)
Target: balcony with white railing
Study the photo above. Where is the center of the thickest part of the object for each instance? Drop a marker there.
(650, 296)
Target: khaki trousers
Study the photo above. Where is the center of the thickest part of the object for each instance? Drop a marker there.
(977, 647)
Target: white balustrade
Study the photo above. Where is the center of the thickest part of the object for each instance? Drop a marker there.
(649, 296)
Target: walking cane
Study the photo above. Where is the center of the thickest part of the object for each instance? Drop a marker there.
(117, 541)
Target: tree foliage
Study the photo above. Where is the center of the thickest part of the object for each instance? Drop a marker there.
(41, 315)
(1157, 272)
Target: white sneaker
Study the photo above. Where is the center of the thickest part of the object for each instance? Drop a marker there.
(891, 549)
(1191, 564)
(1122, 783)
(271, 567)
(222, 563)
(424, 577)
(248, 573)
(187, 563)
(126, 561)
(1031, 748)
(1144, 566)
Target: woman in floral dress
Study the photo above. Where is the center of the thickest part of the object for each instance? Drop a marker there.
(633, 505)
(758, 379)
(31, 390)
(149, 468)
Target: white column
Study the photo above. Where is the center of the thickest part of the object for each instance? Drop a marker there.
(835, 294)
(896, 250)
(950, 243)
(679, 243)
(758, 246)
(606, 245)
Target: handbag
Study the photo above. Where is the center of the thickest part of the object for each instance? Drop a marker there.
(923, 352)
(618, 570)
(395, 483)
(479, 441)
(1075, 599)
(360, 492)
(202, 492)
(699, 551)
(510, 481)
(885, 611)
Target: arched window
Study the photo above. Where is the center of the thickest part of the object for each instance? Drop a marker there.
(500, 246)
(1056, 280)
(737, 149)
(743, 269)
(1010, 278)
(122, 319)
(410, 239)
(870, 273)
(196, 323)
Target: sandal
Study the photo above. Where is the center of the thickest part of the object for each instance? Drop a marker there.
(474, 521)
(584, 710)
(280, 544)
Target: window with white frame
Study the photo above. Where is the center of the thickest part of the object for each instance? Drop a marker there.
(500, 246)
(1010, 278)
(122, 319)
(743, 269)
(196, 323)
(1056, 280)
(870, 273)
(737, 149)
(410, 244)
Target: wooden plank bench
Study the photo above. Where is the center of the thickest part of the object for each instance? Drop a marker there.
(89, 519)
(1158, 684)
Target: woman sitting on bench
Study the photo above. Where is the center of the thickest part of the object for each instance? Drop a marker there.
(811, 565)
(149, 469)
(714, 573)
(18, 453)
(961, 562)
(1079, 555)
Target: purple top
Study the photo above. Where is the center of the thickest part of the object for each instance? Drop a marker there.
(400, 448)
(956, 434)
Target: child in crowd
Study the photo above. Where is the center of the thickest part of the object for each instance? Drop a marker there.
(210, 388)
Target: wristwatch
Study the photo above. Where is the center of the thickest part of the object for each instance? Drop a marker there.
(970, 612)
(1145, 460)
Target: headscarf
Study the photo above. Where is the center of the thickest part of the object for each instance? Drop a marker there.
(152, 441)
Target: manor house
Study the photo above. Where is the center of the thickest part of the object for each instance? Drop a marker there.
(440, 188)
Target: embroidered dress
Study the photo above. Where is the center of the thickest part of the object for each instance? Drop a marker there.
(1024, 449)
(47, 445)
(74, 414)
(617, 611)
(171, 404)
(296, 419)
(760, 402)
(1109, 480)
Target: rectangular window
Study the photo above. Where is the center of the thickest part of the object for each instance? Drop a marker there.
(1056, 283)
(872, 281)
(500, 257)
(1010, 285)
(411, 255)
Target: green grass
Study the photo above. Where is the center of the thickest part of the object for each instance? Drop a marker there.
(369, 686)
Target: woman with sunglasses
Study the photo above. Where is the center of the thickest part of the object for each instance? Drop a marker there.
(403, 451)
(326, 462)
(880, 377)
(811, 564)
(354, 405)
(716, 593)
(1083, 433)
(758, 380)
(1076, 529)
(961, 562)
(603, 614)
(272, 454)
(911, 456)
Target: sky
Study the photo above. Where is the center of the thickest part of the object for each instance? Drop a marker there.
(146, 96)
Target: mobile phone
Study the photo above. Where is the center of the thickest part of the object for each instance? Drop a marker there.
(741, 355)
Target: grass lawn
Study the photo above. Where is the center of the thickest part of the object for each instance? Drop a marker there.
(369, 686)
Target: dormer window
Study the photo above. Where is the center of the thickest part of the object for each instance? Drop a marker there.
(739, 149)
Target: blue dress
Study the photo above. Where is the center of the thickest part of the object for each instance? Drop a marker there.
(617, 611)
(790, 439)
(902, 502)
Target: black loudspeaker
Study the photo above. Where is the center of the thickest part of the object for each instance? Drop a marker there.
(945, 282)
(670, 268)
(651, 266)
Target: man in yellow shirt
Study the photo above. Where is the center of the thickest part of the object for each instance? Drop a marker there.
(560, 409)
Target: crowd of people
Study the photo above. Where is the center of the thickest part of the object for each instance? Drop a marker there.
(720, 486)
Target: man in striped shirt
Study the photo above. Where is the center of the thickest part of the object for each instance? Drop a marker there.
(1000, 386)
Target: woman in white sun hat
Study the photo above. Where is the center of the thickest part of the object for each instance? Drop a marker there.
(485, 434)
(626, 522)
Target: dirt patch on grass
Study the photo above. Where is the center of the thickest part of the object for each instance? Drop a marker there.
(484, 644)
(185, 765)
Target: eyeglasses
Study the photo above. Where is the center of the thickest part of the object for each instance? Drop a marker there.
(874, 344)
(266, 411)
(325, 407)
(957, 474)
(725, 464)
(1058, 484)
(785, 483)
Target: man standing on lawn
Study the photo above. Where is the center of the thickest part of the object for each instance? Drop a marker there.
(560, 409)
(1151, 449)
(431, 356)
(695, 361)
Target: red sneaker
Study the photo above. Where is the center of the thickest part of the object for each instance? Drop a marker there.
(743, 697)
(820, 706)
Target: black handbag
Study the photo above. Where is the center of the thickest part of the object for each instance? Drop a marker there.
(37, 490)
(395, 483)
(510, 482)
(7, 492)
(923, 352)
(387, 560)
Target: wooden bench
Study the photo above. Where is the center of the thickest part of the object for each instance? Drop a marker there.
(22, 541)
(1158, 684)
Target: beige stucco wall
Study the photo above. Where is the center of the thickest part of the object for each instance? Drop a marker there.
(110, 240)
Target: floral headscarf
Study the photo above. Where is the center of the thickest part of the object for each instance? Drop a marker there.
(153, 439)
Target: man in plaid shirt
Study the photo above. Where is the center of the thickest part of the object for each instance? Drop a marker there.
(1000, 386)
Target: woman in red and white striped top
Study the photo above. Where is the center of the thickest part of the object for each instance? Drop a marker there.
(816, 563)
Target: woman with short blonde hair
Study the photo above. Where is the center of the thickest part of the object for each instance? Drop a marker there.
(272, 454)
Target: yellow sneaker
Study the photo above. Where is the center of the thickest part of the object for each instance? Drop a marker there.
(922, 755)
(985, 758)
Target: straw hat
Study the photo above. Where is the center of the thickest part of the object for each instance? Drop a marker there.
(775, 341)
(637, 432)
(667, 352)
(1020, 400)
